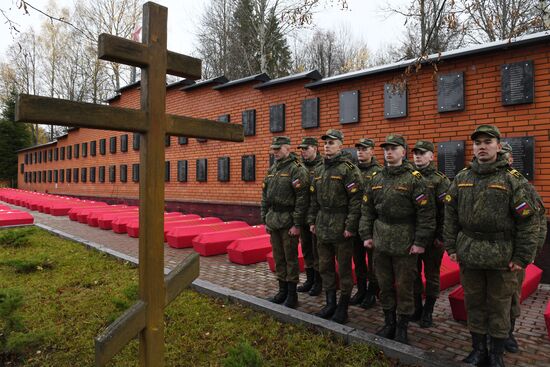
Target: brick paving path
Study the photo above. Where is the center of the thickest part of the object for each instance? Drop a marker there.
(450, 339)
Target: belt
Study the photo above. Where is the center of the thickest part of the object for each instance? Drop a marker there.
(487, 236)
(390, 221)
(282, 208)
(335, 209)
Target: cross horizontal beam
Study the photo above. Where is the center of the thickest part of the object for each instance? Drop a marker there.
(122, 50)
(201, 128)
(132, 321)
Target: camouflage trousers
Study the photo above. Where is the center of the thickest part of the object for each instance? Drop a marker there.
(342, 251)
(515, 311)
(488, 297)
(396, 276)
(309, 248)
(364, 269)
(431, 260)
(285, 254)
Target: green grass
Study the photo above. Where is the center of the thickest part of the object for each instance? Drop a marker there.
(61, 309)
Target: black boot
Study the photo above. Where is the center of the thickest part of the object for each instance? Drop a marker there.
(496, 357)
(401, 329)
(292, 297)
(280, 297)
(341, 314)
(388, 330)
(361, 292)
(511, 344)
(327, 311)
(417, 308)
(426, 320)
(306, 286)
(479, 356)
(370, 297)
(317, 284)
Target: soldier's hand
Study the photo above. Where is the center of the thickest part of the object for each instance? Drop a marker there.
(416, 250)
(294, 231)
(368, 243)
(312, 228)
(348, 234)
(514, 267)
(452, 257)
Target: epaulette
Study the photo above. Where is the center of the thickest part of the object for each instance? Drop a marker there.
(374, 174)
(298, 163)
(466, 168)
(350, 165)
(440, 174)
(416, 174)
(514, 172)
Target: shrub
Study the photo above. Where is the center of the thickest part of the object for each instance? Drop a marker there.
(243, 355)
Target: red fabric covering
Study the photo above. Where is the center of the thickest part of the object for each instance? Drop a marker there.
(92, 218)
(61, 209)
(182, 237)
(547, 318)
(105, 220)
(301, 263)
(215, 243)
(530, 284)
(132, 227)
(250, 250)
(449, 273)
(4, 207)
(73, 213)
(82, 216)
(15, 217)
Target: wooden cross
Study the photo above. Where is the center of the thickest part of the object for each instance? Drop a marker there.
(146, 317)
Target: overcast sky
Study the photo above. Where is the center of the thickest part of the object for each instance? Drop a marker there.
(364, 18)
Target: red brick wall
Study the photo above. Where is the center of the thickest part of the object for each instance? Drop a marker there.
(482, 100)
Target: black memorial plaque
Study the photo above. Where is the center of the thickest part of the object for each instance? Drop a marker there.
(248, 168)
(83, 174)
(50, 154)
(112, 173)
(112, 144)
(277, 118)
(84, 150)
(102, 145)
(223, 169)
(166, 171)
(202, 171)
(93, 145)
(349, 107)
(182, 140)
(56, 176)
(517, 83)
(123, 173)
(450, 92)
(310, 113)
(249, 122)
(75, 175)
(50, 175)
(69, 152)
(124, 143)
(61, 175)
(135, 172)
(92, 174)
(101, 173)
(395, 101)
(182, 171)
(136, 141)
(523, 152)
(167, 141)
(76, 151)
(450, 157)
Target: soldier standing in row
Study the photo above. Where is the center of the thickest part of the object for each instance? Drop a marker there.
(491, 230)
(438, 184)
(366, 295)
(333, 216)
(311, 159)
(398, 221)
(511, 344)
(285, 200)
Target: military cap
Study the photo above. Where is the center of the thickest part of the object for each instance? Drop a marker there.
(424, 146)
(366, 143)
(333, 134)
(490, 130)
(506, 148)
(308, 141)
(279, 140)
(395, 139)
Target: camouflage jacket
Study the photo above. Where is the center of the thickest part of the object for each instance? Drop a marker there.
(285, 197)
(398, 211)
(368, 170)
(312, 165)
(438, 184)
(336, 193)
(541, 215)
(490, 218)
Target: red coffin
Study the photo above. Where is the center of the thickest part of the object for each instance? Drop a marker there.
(250, 250)
(93, 218)
(547, 318)
(530, 284)
(132, 227)
(82, 216)
(215, 243)
(105, 220)
(14, 218)
(271, 261)
(61, 209)
(4, 207)
(181, 237)
(73, 213)
(449, 273)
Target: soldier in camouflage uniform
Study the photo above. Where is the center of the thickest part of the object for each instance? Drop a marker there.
(491, 229)
(333, 216)
(366, 295)
(285, 200)
(398, 221)
(438, 184)
(511, 344)
(311, 159)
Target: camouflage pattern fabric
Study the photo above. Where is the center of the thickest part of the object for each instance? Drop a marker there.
(515, 311)
(342, 251)
(285, 255)
(399, 271)
(307, 239)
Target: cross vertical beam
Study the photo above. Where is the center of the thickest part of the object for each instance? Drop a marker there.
(151, 189)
